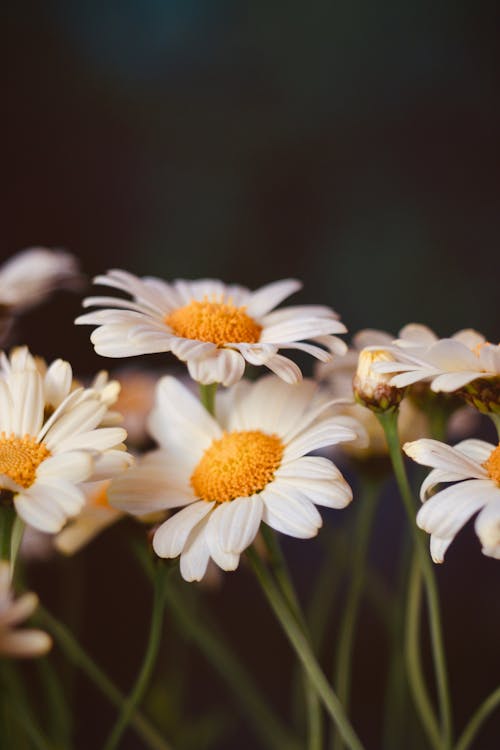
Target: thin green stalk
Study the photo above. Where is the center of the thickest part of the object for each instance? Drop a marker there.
(282, 575)
(481, 714)
(81, 659)
(144, 676)
(303, 650)
(325, 591)
(495, 418)
(56, 705)
(16, 539)
(242, 689)
(25, 720)
(207, 397)
(347, 631)
(396, 699)
(202, 631)
(413, 656)
(388, 420)
(8, 517)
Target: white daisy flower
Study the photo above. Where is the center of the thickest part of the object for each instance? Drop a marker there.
(29, 277)
(475, 466)
(212, 327)
(448, 364)
(13, 642)
(43, 460)
(248, 465)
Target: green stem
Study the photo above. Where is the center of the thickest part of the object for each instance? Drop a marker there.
(56, 705)
(81, 659)
(8, 517)
(495, 418)
(16, 538)
(388, 420)
(396, 700)
(347, 629)
(481, 714)
(212, 645)
(242, 689)
(282, 575)
(303, 650)
(207, 397)
(144, 676)
(24, 719)
(413, 656)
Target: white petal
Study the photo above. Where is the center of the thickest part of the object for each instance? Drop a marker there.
(27, 402)
(150, 486)
(25, 643)
(57, 382)
(6, 409)
(285, 369)
(487, 523)
(324, 433)
(76, 466)
(452, 381)
(446, 512)
(94, 440)
(441, 456)
(170, 538)
(267, 297)
(82, 418)
(180, 418)
(336, 494)
(224, 366)
(237, 523)
(67, 496)
(19, 610)
(40, 511)
(291, 514)
(438, 547)
(194, 558)
(225, 560)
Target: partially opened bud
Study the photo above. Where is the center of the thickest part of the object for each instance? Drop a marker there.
(371, 388)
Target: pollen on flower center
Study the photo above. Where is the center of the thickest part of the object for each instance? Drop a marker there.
(218, 322)
(492, 465)
(20, 458)
(239, 464)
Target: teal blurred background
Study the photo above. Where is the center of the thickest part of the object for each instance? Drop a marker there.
(354, 145)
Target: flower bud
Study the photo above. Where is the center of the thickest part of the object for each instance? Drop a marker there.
(371, 388)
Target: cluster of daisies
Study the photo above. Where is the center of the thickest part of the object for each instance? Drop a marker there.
(239, 456)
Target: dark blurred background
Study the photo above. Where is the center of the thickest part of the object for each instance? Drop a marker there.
(353, 145)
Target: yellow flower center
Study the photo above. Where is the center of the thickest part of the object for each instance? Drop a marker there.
(21, 457)
(217, 322)
(492, 465)
(239, 464)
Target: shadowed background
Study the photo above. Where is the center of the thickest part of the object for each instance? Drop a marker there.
(350, 144)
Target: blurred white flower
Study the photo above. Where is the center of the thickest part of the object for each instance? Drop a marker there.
(212, 327)
(30, 276)
(14, 642)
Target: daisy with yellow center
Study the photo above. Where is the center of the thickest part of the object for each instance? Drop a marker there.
(474, 468)
(212, 327)
(43, 460)
(247, 466)
(14, 642)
